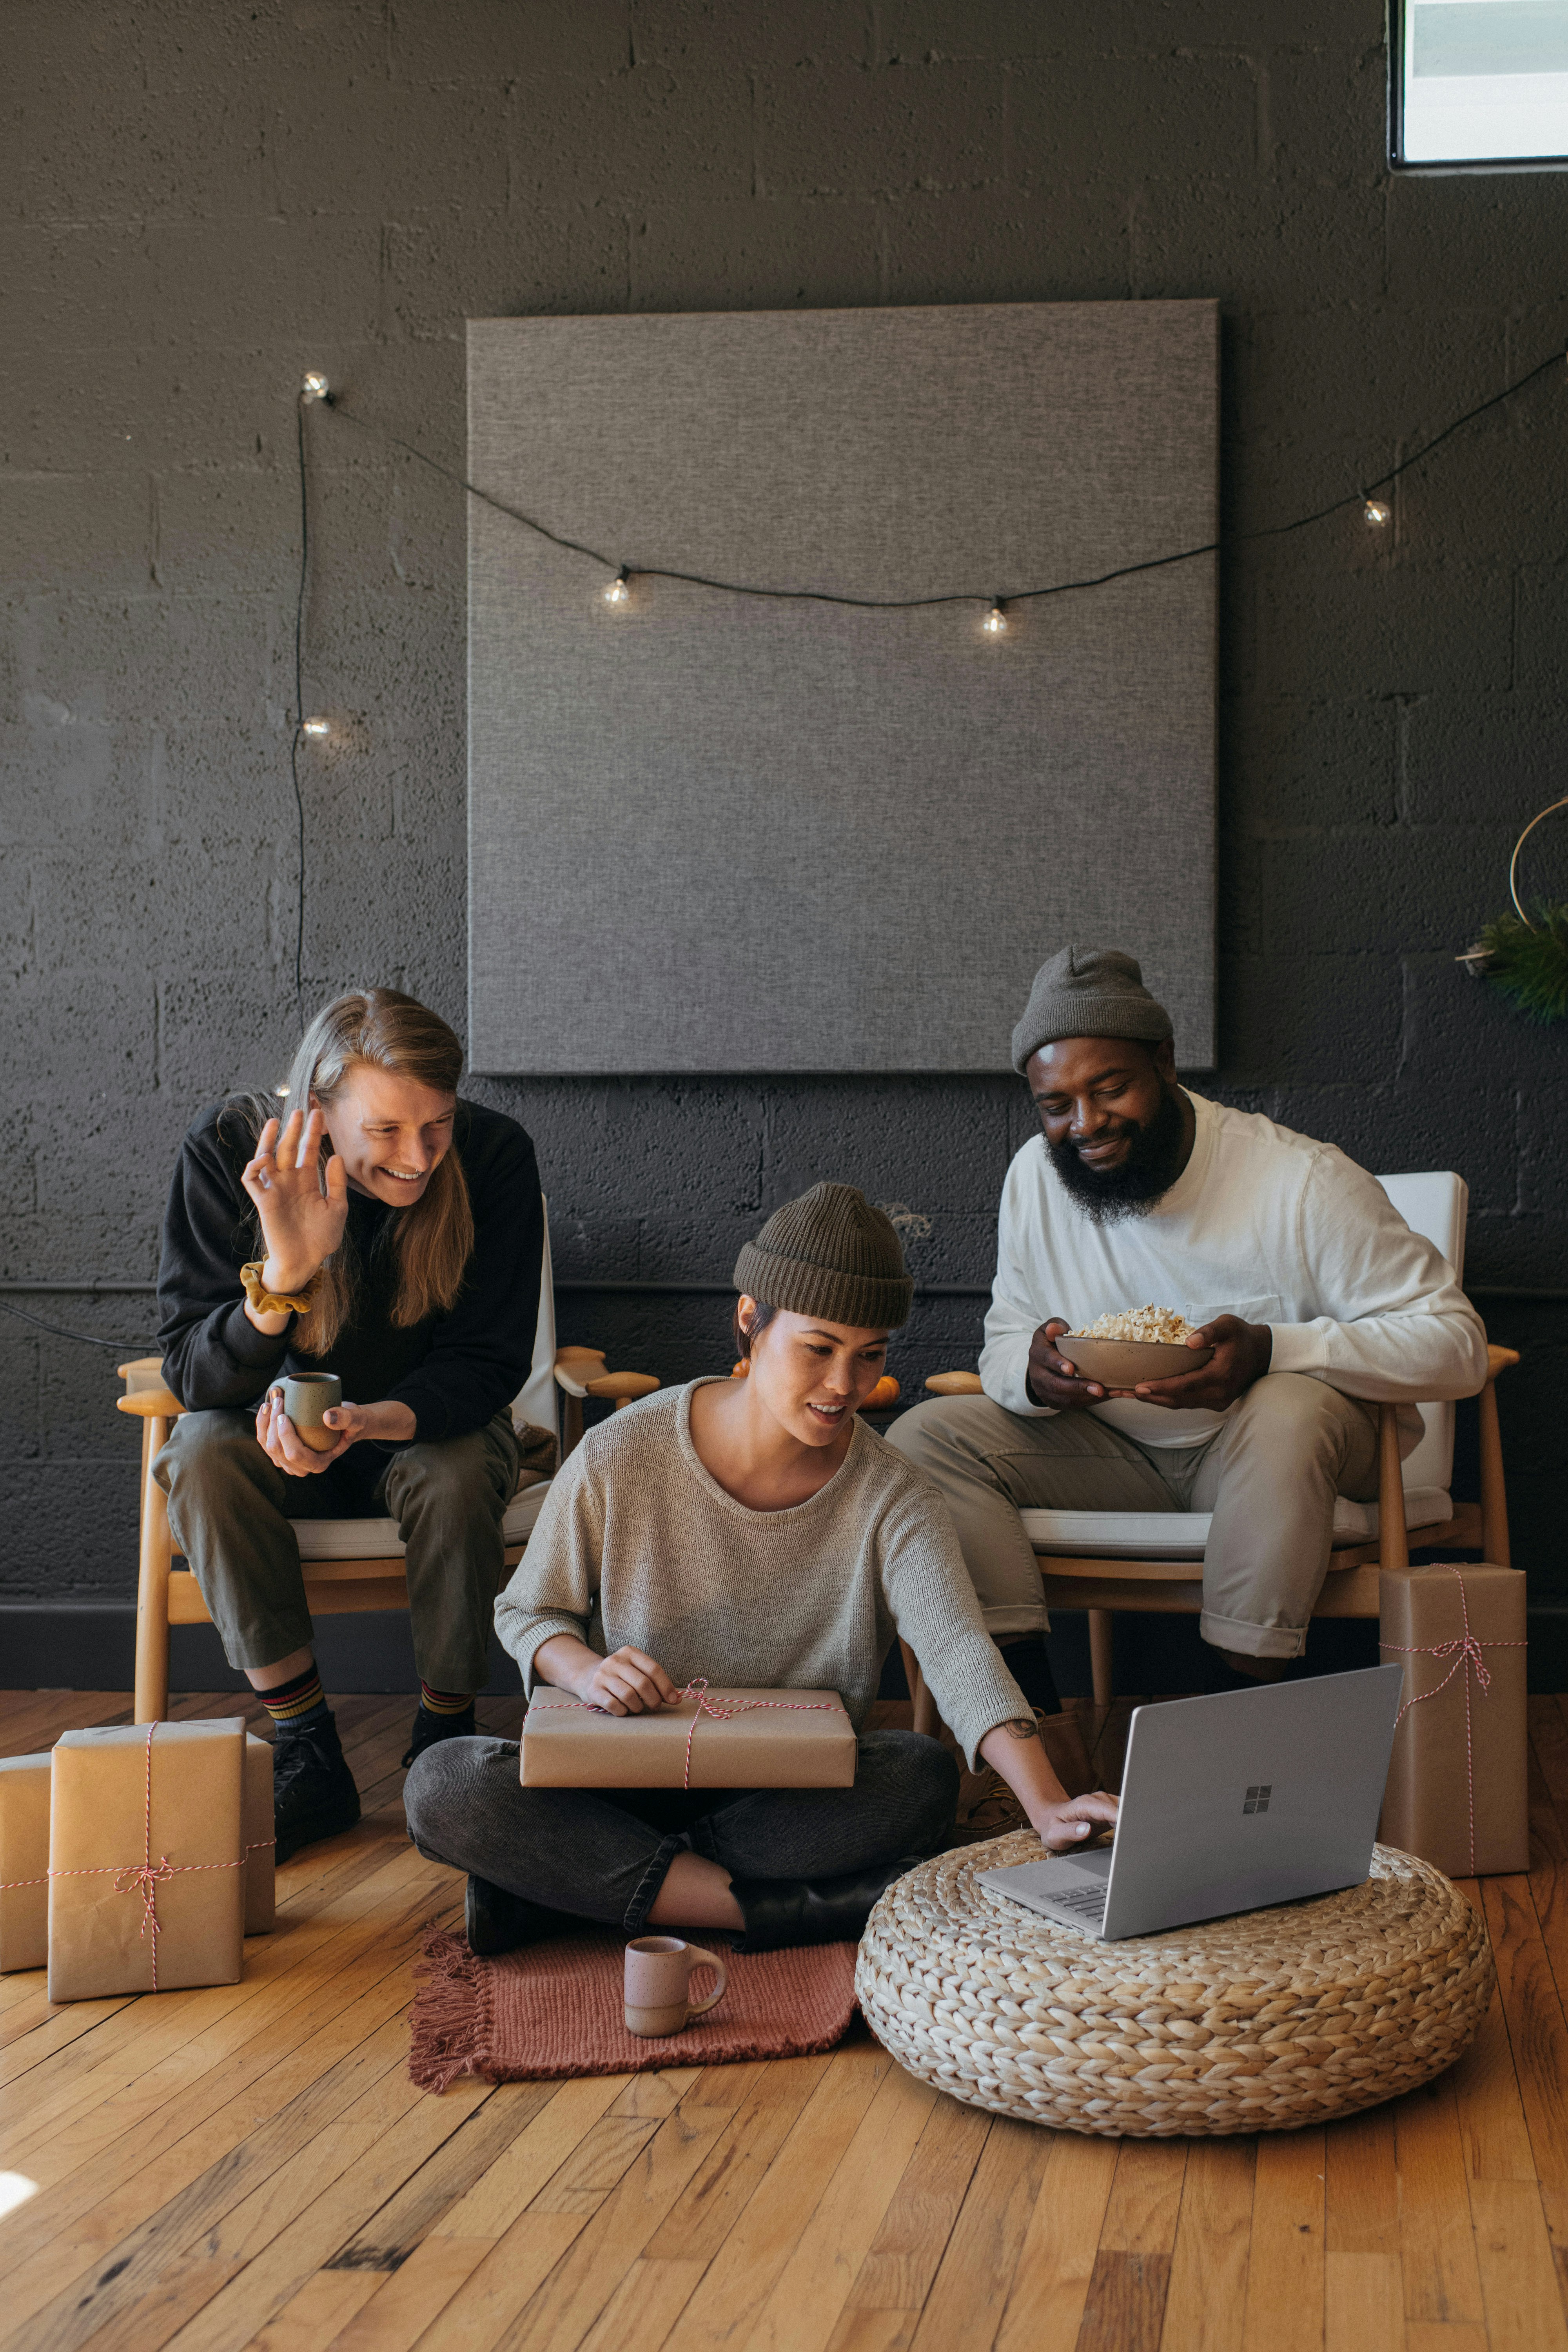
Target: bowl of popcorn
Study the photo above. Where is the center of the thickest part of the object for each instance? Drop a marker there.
(1138, 1343)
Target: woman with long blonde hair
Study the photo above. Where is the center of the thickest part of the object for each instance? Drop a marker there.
(389, 1233)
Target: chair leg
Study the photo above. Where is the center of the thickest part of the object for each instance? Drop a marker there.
(1100, 1644)
(152, 1583)
(1494, 1495)
(1392, 1543)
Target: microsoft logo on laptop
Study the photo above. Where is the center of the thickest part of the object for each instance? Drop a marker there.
(1256, 1800)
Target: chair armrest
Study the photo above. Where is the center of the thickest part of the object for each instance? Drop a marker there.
(147, 1394)
(1500, 1359)
(622, 1386)
(956, 1384)
(575, 1366)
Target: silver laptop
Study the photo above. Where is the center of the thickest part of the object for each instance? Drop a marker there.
(1229, 1803)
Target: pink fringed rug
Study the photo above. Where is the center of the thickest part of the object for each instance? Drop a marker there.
(556, 2009)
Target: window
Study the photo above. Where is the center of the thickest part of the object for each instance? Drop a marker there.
(1480, 82)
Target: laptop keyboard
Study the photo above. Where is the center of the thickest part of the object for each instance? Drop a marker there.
(1087, 1903)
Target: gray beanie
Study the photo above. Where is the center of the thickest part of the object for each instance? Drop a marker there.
(1089, 992)
(830, 1253)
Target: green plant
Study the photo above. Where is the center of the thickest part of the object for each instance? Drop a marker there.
(1528, 961)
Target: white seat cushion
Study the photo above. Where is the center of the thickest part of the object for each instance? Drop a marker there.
(379, 1539)
(1182, 1535)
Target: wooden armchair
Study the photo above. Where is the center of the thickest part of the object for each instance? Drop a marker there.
(350, 1565)
(1108, 1561)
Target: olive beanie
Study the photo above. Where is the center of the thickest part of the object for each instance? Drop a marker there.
(829, 1253)
(1089, 992)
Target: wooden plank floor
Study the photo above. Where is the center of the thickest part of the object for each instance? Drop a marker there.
(250, 2166)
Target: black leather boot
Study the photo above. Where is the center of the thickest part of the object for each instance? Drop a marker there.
(780, 1911)
(496, 1921)
(313, 1792)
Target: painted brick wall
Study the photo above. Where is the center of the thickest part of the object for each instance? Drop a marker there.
(198, 201)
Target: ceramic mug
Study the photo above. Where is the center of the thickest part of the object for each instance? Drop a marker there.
(658, 1983)
(306, 1397)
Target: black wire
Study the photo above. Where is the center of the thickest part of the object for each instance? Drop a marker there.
(299, 705)
(59, 1331)
(918, 604)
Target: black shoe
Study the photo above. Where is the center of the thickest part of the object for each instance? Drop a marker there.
(497, 1922)
(430, 1729)
(313, 1792)
(779, 1911)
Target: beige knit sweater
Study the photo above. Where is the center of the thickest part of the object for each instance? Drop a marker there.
(637, 1544)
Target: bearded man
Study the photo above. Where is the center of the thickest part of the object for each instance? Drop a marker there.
(1318, 1301)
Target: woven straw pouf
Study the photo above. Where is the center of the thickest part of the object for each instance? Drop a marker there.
(1263, 2022)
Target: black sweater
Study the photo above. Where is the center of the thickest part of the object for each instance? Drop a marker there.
(454, 1371)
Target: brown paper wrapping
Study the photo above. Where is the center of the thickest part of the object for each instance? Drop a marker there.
(25, 1856)
(102, 1834)
(261, 1876)
(1457, 1782)
(779, 1740)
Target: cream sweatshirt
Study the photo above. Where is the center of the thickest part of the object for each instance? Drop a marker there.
(637, 1544)
(1262, 1223)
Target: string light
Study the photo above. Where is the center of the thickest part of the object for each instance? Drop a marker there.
(618, 593)
(315, 387)
(316, 726)
(1374, 510)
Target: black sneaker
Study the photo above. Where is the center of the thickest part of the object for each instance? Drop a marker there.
(497, 1921)
(313, 1792)
(429, 1731)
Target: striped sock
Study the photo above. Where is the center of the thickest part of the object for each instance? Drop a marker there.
(439, 1702)
(299, 1705)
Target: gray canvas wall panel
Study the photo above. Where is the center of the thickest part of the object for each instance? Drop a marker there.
(712, 833)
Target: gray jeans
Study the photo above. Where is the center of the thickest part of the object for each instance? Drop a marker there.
(1269, 1474)
(601, 1853)
(230, 1509)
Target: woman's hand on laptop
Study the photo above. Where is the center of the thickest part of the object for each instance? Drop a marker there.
(628, 1682)
(1074, 1821)
(1016, 1750)
(1242, 1353)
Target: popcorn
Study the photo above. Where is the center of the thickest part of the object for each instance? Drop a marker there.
(1162, 1325)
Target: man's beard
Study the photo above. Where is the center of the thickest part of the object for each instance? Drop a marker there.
(1152, 1164)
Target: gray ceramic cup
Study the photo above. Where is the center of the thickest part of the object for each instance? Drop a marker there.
(306, 1397)
(659, 1985)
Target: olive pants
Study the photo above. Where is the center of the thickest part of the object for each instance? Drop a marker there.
(1270, 1474)
(230, 1509)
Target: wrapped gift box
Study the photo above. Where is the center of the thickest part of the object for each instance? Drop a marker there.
(147, 1880)
(261, 1876)
(711, 1739)
(1456, 1783)
(24, 1861)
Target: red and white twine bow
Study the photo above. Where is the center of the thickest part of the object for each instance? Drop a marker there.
(720, 1710)
(144, 1876)
(1467, 1653)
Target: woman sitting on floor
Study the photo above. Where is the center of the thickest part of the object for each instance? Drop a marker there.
(391, 1235)
(757, 1533)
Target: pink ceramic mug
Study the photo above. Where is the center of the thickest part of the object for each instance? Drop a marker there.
(658, 1984)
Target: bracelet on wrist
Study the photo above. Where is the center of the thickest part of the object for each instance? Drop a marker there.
(281, 1302)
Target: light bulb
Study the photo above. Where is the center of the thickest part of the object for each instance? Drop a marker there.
(315, 727)
(1377, 511)
(315, 386)
(996, 620)
(617, 593)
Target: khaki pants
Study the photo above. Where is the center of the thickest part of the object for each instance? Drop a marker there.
(1270, 1474)
(230, 1508)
